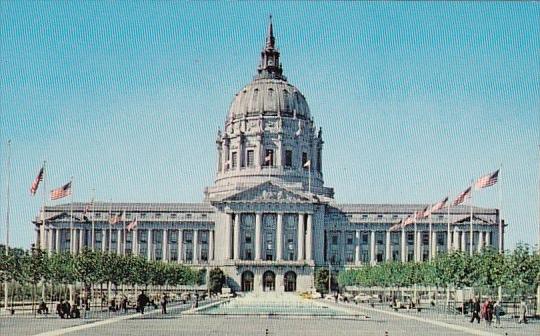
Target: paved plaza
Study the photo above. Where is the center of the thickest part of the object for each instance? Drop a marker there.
(379, 320)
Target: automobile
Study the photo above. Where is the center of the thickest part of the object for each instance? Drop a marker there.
(362, 298)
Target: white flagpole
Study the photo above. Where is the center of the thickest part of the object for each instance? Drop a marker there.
(72, 240)
(415, 240)
(110, 227)
(501, 238)
(93, 220)
(448, 237)
(124, 234)
(42, 229)
(431, 247)
(6, 285)
(471, 221)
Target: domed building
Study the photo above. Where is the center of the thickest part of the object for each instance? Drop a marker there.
(268, 220)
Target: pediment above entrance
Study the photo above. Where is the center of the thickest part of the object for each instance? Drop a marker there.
(268, 192)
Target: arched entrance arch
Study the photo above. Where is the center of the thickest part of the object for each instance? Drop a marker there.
(269, 281)
(247, 281)
(289, 281)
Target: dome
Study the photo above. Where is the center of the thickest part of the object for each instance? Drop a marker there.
(269, 97)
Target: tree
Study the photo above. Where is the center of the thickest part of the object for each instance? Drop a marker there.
(321, 280)
(216, 280)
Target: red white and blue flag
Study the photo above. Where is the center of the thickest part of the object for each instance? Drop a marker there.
(462, 197)
(61, 192)
(132, 225)
(438, 206)
(37, 180)
(487, 180)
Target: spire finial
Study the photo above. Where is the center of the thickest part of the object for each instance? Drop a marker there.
(270, 40)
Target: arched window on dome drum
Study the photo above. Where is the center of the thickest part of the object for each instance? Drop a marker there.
(285, 101)
(254, 101)
(270, 102)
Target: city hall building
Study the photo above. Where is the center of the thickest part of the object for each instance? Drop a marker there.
(268, 221)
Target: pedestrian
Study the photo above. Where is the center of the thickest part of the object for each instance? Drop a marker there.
(124, 304)
(497, 312)
(489, 312)
(475, 311)
(142, 301)
(60, 309)
(163, 303)
(522, 312)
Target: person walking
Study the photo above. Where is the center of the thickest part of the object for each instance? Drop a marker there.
(142, 301)
(163, 303)
(489, 312)
(497, 312)
(475, 311)
(522, 312)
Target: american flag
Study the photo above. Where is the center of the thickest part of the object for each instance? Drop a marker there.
(61, 192)
(487, 180)
(438, 206)
(35, 184)
(421, 214)
(407, 221)
(113, 219)
(462, 197)
(132, 225)
(396, 226)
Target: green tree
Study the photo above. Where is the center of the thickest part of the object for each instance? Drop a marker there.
(216, 280)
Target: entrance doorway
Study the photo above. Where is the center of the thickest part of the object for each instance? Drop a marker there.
(247, 281)
(289, 280)
(269, 281)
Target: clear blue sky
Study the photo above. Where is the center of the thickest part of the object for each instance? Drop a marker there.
(415, 99)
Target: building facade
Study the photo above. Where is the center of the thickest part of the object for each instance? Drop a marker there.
(268, 220)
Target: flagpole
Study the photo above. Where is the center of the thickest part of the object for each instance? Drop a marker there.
(415, 240)
(110, 227)
(449, 238)
(72, 240)
(93, 220)
(430, 233)
(501, 238)
(471, 221)
(6, 285)
(42, 229)
(124, 232)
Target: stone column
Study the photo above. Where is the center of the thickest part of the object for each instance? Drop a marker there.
(135, 242)
(357, 248)
(258, 221)
(388, 251)
(150, 244)
(309, 237)
(279, 237)
(195, 246)
(373, 249)
(81, 239)
(119, 242)
(419, 246)
(180, 245)
(228, 241)
(300, 236)
(403, 246)
(236, 250)
(456, 239)
(488, 238)
(463, 242)
(434, 244)
(481, 240)
(57, 241)
(103, 240)
(210, 245)
(50, 239)
(165, 248)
